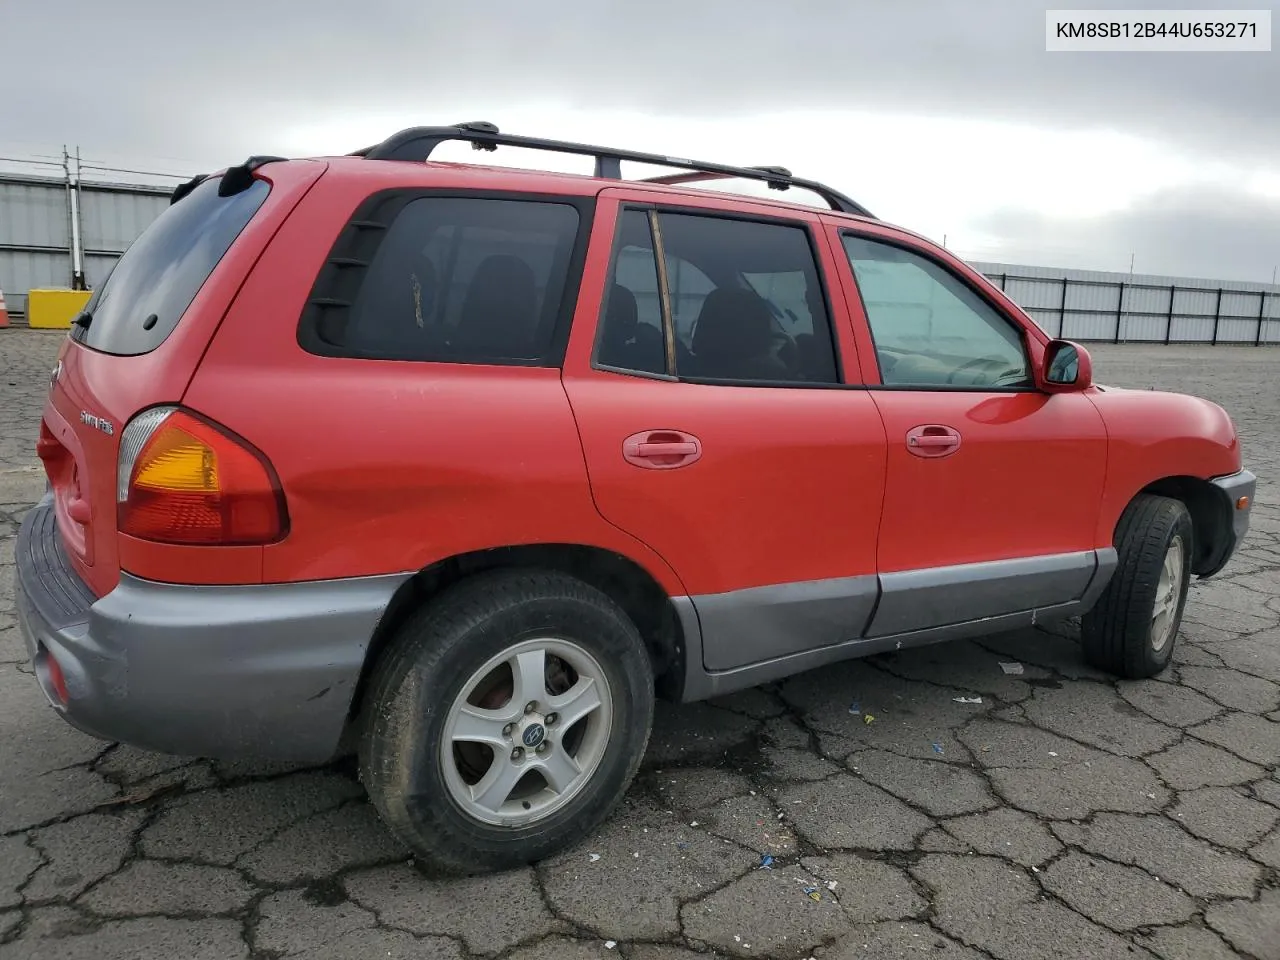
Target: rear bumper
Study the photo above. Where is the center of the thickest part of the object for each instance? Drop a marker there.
(1235, 520)
(229, 672)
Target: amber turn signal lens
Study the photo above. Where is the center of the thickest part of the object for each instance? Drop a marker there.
(175, 462)
(1242, 503)
(194, 482)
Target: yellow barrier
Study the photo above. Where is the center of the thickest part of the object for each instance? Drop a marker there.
(54, 309)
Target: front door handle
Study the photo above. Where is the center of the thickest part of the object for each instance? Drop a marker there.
(932, 440)
(661, 449)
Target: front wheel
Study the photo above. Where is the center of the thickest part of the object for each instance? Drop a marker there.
(1132, 628)
(506, 721)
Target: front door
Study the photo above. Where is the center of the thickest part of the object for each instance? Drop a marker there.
(993, 487)
(710, 390)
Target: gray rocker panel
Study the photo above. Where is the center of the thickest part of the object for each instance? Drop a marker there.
(743, 638)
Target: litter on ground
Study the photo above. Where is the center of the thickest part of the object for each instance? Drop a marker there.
(1013, 669)
(967, 699)
(868, 719)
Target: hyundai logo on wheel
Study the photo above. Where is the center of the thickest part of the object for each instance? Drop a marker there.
(533, 735)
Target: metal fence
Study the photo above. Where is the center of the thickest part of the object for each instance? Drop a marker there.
(1144, 310)
(54, 235)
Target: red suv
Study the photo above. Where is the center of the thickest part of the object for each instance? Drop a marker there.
(460, 467)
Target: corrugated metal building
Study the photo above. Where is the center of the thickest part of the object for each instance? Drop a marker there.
(1086, 305)
(1092, 305)
(35, 231)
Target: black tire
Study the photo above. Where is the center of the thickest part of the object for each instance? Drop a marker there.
(426, 668)
(1118, 634)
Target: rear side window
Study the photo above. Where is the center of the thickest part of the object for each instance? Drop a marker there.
(150, 287)
(453, 279)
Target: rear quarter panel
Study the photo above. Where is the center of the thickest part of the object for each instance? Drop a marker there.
(1153, 435)
(390, 466)
(117, 387)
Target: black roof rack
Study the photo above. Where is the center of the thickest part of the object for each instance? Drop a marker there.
(417, 144)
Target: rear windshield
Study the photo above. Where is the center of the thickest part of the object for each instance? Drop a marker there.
(151, 286)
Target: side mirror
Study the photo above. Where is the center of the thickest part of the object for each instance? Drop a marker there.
(1067, 367)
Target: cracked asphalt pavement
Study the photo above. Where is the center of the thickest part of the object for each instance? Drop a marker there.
(1066, 815)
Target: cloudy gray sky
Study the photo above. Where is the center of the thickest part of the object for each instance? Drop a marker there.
(946, 116)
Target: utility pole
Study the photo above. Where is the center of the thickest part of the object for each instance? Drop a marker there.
(73, 217)
(71, 212)
(84, 279)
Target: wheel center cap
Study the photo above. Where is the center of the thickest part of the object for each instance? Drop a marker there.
(533, 735)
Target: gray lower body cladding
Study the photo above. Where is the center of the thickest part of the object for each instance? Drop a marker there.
(236, 671)
(747, 637)
(1232, 521)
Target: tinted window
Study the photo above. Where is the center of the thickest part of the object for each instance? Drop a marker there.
(466, 280)
(153, 283)
(631, 322)
(689, 288)
(745, 296)
(930, 328)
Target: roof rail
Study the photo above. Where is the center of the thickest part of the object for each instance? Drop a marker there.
(417, 144)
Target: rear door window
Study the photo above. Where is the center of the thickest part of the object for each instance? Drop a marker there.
(456, 279)
(746, 301)
(151, 286)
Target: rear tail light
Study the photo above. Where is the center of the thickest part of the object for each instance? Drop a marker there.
(183, 479)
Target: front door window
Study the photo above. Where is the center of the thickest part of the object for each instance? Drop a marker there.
(931, 331)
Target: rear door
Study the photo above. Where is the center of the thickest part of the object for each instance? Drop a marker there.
(142, 335)
(722, 420)
(993, 488)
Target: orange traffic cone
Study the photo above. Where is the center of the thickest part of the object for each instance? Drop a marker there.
(4, 312)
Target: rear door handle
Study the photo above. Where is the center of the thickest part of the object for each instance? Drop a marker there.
(661, 449)
(665, 449)
(932, 440)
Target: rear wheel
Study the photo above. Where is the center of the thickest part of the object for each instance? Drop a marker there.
(506, 721)
(1132, 629)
